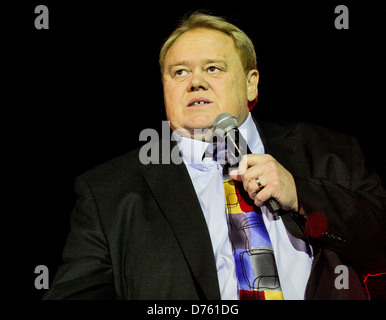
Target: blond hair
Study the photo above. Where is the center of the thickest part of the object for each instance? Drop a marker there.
(242, 42)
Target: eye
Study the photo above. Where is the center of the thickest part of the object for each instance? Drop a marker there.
(180, 73)
(213, 70)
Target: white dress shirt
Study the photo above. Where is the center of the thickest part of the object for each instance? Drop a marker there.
(293, 256)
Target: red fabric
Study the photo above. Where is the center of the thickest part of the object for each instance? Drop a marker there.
(251, 295)
(245, 202)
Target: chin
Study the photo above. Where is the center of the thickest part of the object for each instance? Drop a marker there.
(199, 125)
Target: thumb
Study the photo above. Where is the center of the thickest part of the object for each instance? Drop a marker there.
(234, 174)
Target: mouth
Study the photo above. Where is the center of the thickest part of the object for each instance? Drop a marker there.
(198, 102)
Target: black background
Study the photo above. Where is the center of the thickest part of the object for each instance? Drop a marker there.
(79, 94)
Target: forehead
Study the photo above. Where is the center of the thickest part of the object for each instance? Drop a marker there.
(201, 43)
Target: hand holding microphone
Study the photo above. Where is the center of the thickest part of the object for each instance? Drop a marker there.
(265, 179)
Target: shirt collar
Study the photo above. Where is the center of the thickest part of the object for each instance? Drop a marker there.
(250, 133)
(192, 150)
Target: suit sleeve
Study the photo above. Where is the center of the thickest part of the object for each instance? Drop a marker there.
(349, 219)
(86, 272)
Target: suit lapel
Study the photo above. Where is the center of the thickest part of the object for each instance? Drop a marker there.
(277, 142)
(174, 192)
(282, 143)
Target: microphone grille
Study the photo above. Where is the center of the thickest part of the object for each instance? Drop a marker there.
(225, 122)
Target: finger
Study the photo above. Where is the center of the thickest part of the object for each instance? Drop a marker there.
(259, 184)
(249, 178)
(243, 165)
(234, 174)
(249, 168)
(256, 159)
(250, 165)
(253, 188)
(262, 196)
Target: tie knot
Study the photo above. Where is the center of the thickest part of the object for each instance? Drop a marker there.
(211, 151)
(218, 151)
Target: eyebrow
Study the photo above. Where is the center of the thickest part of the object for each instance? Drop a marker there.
(205, 61)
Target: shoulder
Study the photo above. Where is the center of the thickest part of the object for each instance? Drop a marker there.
(115, 170)
(127, 167)
(305, 132)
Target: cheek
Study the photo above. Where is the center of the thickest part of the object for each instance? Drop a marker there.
(172, 100)
(170, 95)
(239, 84)
(233, 92)
(175, 90)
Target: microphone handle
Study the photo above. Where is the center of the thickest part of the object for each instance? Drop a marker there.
(271, 203)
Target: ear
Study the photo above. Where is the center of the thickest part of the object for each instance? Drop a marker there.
(252, 82)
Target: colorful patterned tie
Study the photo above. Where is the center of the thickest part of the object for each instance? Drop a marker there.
(255, 263)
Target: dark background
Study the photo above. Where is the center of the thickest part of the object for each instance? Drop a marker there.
(79, 94)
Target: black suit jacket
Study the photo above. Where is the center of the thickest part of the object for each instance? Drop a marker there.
(138, 232)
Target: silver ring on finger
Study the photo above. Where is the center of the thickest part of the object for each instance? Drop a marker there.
(259, 183)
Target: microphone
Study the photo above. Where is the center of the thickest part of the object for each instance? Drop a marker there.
(225, 125)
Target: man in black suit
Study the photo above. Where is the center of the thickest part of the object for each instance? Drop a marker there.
(146, 231)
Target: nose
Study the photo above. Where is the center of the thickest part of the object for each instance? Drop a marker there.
(198, 82)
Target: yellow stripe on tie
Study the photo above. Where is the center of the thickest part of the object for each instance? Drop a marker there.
(273, 295)
(232, 201)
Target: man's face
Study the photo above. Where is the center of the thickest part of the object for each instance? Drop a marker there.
(203, 77)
